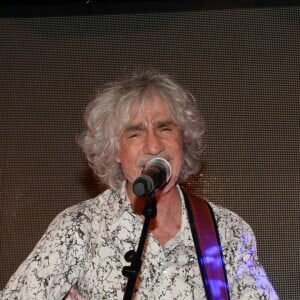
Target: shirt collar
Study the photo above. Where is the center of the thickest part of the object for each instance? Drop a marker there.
(124, 203)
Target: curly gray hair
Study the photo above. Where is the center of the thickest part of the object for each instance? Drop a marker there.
(107, 115)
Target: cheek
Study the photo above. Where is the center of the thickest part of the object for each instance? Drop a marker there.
(179, 156)
(130, 173)
(121, 154)
(122, 158)
(178, 148)
(128, 161)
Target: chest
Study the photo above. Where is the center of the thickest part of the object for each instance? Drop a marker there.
(165, 274)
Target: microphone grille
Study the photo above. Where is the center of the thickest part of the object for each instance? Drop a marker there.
(161, 162)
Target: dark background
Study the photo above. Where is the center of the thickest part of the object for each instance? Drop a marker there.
(240, 62)
(38, 8)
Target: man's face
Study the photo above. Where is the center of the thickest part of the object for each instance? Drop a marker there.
(150, 132)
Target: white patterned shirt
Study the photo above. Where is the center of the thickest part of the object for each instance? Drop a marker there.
(81, 256)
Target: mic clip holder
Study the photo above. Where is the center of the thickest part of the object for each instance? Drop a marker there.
(135, 257)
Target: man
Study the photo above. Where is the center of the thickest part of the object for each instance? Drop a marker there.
(141, 116)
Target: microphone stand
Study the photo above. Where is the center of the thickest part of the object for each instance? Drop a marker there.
(132, 271)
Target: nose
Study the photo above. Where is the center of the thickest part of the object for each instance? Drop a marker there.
(153, 144)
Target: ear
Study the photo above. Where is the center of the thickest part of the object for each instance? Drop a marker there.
(117, 158)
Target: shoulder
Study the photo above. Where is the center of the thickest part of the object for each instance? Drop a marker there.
(82, 217)
(233, 229)
(228, 218)
(87, 208)
(94, 206)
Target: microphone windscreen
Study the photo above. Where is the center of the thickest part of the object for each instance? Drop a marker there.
(157, 172)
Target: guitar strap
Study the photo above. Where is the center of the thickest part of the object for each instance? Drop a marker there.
(208, 247)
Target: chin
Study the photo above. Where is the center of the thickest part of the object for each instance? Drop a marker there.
(165, 190)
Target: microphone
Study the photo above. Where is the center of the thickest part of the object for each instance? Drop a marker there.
(157, 172)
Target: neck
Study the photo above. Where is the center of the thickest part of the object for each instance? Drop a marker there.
(167, 201)
(168, 213)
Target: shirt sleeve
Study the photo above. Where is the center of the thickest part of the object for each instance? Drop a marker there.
(246, 276)
(55, 264)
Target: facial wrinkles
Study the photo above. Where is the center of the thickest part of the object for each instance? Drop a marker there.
(151, 119)
(147, 116)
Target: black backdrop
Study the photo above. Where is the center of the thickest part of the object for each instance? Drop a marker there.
(241, 64)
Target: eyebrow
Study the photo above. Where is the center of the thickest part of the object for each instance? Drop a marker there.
(142, 126)
(135, 127)
(158, 124)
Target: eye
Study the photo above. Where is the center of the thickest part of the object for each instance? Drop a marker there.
(166, 128)
(134, 134)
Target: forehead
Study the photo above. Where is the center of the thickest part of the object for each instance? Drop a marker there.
(152, 106)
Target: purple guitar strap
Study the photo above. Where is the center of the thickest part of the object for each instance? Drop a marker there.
(208, 247)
